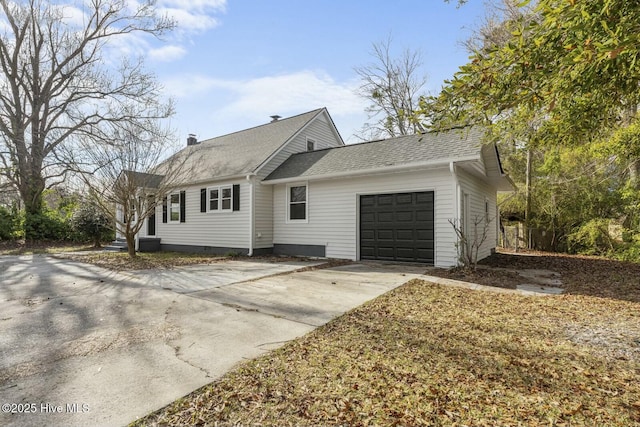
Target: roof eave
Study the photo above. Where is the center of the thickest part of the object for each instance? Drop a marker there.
(370, 171)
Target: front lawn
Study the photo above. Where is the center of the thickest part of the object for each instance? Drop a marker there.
(425, 354)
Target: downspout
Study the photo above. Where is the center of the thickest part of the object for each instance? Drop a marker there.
(251, 218)
(456, 200)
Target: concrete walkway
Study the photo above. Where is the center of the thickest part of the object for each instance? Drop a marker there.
(81, 345)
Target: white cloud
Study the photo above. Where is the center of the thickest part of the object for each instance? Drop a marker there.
(193, 15)
(232, 105)
(167, 53)
(289, 93)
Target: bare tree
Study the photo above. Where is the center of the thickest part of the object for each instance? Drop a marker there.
(470, 239)
(394, 87)
(134, 174)
(58, 85)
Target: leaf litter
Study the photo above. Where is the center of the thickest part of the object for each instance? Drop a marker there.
(426, 354)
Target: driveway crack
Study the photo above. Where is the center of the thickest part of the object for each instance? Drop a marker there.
(177, 350)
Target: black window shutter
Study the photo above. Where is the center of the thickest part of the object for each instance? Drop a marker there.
(164, 210)
(203, 200)
(236, 197)
(183, 208)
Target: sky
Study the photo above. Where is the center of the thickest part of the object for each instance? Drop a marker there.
(231, 64)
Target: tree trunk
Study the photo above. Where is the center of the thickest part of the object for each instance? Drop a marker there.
(527, 209)
(131, 243)
(31, 192)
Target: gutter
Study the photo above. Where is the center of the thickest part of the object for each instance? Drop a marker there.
(370, 171)
(249, 179)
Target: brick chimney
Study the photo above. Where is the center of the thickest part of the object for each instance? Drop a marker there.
(192, 140)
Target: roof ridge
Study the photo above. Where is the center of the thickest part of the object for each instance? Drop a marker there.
(264, 124)
(359, 143)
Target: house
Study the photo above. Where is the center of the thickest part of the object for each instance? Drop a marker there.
(292, 187)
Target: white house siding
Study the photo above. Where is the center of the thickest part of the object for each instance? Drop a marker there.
(478, 192)
(318, 130)
(333, 211)
(263, 208)
(203, 229)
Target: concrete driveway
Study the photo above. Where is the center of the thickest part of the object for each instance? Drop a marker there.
(81, 345)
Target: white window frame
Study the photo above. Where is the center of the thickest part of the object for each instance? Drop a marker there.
(170, 207)
(306, 202)
(220, 190)
(312, 142)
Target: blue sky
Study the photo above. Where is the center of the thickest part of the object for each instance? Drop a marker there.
(231, 64)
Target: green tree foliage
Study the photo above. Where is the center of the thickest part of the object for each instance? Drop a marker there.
(560, 79)
(568, 67)
(10, 223)
(93, 223)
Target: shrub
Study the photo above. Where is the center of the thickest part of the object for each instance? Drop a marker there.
(10, 223)
(591, 238)
(92, 223)
(47, 225)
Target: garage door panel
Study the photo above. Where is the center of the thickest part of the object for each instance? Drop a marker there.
(424, 197)
(385, 200)
(424, 215)
(385, 217)
(367, 218)
(407, 235)
(385, 235)
(405, 216)
(404, 199)
(425, 235)
(367, 235)
(397, 227)
(366, 201)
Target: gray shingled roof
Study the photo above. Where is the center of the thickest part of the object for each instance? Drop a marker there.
(404, 150)
(141, 179)
(240, 152)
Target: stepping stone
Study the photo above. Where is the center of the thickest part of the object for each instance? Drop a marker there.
(540, 289)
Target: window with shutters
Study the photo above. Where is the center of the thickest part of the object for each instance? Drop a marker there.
(223, 198)
(174, 207)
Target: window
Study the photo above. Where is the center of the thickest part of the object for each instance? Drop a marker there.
(225, 201)
(298, 202)
(174, 207)
(222, 198)
(214, 199)
(311, 144)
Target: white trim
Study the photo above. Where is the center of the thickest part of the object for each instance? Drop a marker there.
(306, 205)
(313, 144)
(371, 171)
(219, 188)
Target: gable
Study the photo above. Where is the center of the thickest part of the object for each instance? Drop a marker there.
(239, 153)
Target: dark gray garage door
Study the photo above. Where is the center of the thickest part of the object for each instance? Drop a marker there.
(397, 227)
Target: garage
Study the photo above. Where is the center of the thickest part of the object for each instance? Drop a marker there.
(397, 227)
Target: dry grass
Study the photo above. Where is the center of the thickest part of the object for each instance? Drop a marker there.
(424, 354)
(21, 247)
(120, 261)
